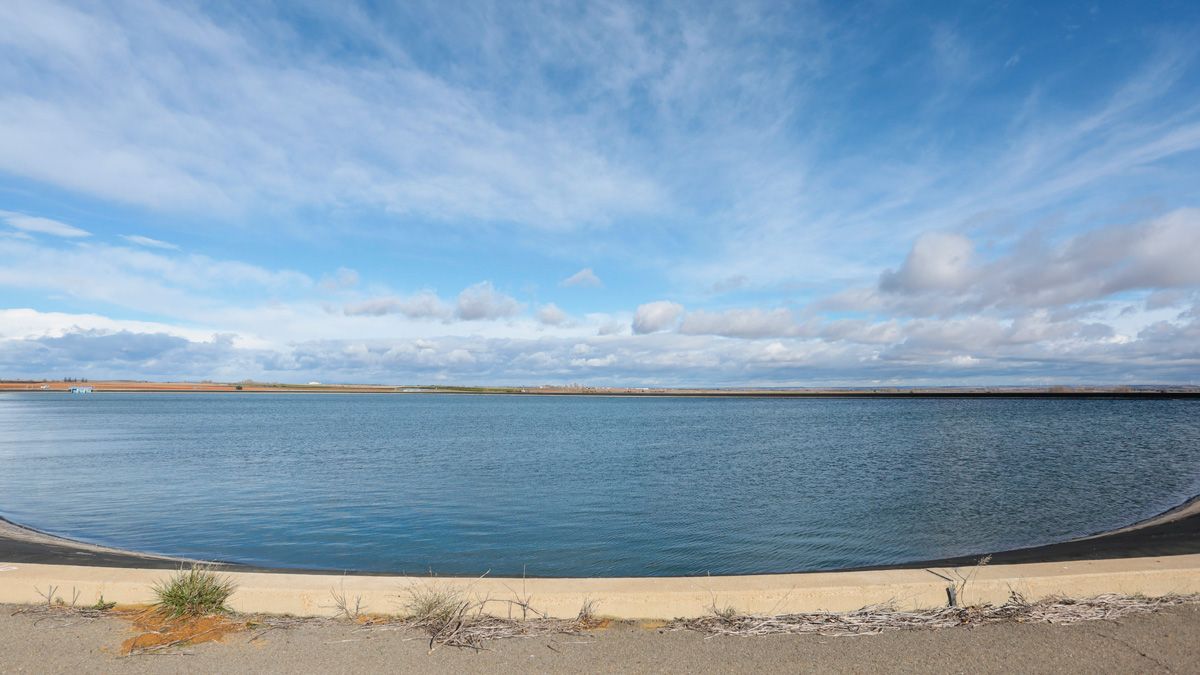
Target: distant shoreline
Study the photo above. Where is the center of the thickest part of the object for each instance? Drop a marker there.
(1007, 392)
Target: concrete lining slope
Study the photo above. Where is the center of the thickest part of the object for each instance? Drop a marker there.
(1174, 532)
(635, 598)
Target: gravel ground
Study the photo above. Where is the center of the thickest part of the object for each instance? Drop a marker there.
(1166, 641)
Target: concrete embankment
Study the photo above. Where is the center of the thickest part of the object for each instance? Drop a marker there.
(634, 598)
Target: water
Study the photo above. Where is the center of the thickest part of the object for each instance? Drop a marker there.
(586, 486)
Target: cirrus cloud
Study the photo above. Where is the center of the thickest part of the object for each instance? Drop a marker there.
(39, 225)
(149, 242)
(584, 277)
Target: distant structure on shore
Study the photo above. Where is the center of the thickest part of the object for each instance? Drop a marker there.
(81, 390)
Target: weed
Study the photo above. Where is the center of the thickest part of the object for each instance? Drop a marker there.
(727, 612)
(48, 595)
(430, 604)
(102, 606)
(343, 604)
(587, 612)
(193, 592)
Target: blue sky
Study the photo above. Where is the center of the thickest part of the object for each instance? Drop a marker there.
(604, 192)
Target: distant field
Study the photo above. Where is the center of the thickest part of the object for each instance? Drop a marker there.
(183, 386)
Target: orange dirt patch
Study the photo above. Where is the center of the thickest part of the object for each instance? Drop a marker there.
(375, 619)
(159, 631)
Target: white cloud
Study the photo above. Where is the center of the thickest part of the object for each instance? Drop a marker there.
(422, 305)
(599, 362)
(942, 275)
(39, 225)
(483, 301)
(742, 323)
(927, 351)
(145, 281)
(584, 277)
(730, 284)
(609, 325)
(286, 330)
(938, 261)
(341, 280)
(30, 324)
(148, 242)
(551, 315)
(863, 332)
(653, 317)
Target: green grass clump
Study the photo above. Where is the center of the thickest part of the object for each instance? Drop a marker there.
(102, 606)
(193, 592)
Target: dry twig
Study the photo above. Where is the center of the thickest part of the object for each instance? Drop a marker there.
(350, 609)
(450, 619)
(877, 619)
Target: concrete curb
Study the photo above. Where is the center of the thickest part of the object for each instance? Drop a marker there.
(635, 598)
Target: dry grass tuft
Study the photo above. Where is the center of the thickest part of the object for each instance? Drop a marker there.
(452, 619)
(434, 605)
(877, 619)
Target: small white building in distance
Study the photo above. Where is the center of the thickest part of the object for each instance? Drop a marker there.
(314, 382)
(81, 390)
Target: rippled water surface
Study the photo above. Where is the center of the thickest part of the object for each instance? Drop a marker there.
(586, 486)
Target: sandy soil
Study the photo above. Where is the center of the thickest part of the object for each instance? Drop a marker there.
(1168, 641)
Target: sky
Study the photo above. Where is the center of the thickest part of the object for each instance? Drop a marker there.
(605, 193)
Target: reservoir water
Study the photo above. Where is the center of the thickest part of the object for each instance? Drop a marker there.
(581, 486)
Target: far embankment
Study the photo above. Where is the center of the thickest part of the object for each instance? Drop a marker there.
(254, 387)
